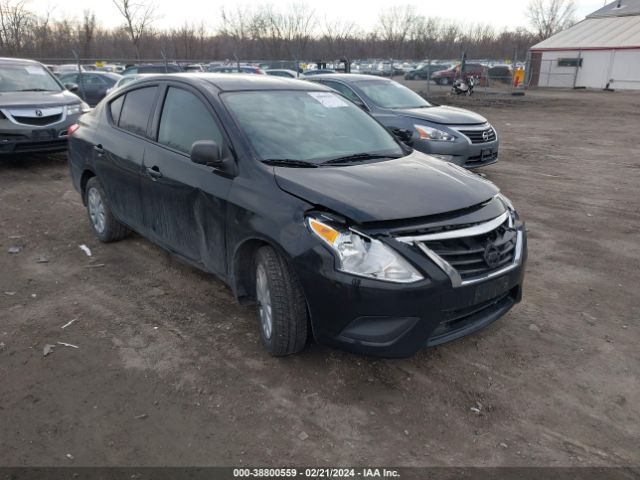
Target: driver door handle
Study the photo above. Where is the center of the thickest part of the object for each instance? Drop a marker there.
(99, 150)
(154, 172)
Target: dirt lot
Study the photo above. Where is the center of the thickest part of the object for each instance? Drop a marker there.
(170, 371)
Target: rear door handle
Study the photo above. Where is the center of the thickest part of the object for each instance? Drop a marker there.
(154, 172)
(99, 150)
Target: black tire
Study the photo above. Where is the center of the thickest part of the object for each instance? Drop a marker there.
(289, 317)
(444, 81)
(112, 230)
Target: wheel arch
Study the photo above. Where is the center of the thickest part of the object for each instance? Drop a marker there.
(87, 174)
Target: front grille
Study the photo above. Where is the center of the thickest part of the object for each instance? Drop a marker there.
(480, 136)
(38, 121)
(47, 145)
(470, 256)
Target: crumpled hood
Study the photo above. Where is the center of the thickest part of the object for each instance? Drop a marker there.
(413, 186)
(37, 99)
(444, 115)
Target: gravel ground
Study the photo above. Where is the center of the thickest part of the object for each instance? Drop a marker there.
(169, 369)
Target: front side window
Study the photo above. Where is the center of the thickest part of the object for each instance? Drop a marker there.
(390, 94)
(307, 126)
(185, 120)
(137, 110)
(27, 78)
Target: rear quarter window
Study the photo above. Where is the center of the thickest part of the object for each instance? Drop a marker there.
(137, 109)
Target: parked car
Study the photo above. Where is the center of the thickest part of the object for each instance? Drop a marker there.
(320, 71)
(236, 69)
(282, 72)
(127, 79)
(452, 134)
(92, 86)
(195, 67)
(36, 110)
(69, 67)
(501, 73)
(447, 77)
(301, 201)
(152, 68)
(425, 71)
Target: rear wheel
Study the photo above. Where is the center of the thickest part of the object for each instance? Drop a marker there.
(444, 81)
(281, 304)
(104, 224)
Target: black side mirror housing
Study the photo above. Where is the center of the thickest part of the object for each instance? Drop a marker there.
(72, 87)
(209, 153)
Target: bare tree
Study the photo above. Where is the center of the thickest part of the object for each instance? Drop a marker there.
(138, 18)
(395, 25)
(15, 22)
(87, 32)
(548, 17)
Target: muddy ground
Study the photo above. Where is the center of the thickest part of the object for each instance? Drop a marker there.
(170, 370)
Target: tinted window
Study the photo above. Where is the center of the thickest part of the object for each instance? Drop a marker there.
(92, 79)
(344, 90)
(115, 108)
(137, 110)
(70, 78)
(185, 120)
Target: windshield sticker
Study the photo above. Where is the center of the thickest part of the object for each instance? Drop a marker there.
(329, 100)
(34, 70)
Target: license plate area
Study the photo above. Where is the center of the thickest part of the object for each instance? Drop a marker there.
(491, 289)
(486, 153)
(47, 134)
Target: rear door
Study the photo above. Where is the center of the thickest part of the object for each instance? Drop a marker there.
(185, 203)
(119, 150)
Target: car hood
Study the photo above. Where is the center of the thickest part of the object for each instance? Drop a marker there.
(443, 115)
(37, 99)
(410, 187)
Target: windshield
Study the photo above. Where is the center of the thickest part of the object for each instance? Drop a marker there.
(26, 78)
(313, 127)
(390, 94)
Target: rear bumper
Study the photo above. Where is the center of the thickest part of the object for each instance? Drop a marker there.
(393, 320)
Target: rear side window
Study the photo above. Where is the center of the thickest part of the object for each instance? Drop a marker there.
(115, 108)
(137, 110)
(185, 120)
(344, 90)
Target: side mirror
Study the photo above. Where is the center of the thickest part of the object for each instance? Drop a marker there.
(209, 153)
(72, 87)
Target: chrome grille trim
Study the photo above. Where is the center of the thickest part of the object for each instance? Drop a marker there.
(480, 229)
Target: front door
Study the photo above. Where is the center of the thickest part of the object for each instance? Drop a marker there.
(184, 203)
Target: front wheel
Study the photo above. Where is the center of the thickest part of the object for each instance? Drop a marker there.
(281, 304)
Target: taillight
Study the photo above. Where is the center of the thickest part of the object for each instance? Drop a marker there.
(72, 129)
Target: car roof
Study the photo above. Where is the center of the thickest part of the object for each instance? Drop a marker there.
(18, 61)
(348, 77)
(232, 82)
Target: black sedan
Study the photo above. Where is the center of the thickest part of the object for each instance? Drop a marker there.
(92, 86)
(360, 241)
(451, 134)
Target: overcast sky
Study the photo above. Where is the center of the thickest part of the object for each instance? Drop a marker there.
(172, 13)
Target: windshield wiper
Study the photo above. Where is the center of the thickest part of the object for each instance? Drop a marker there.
(286, 162)
(357, 157)
(35, 90)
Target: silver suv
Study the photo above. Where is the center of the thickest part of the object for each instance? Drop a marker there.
(36, 110)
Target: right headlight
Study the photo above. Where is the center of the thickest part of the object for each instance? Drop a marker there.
(78, 108)
(363, 256)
